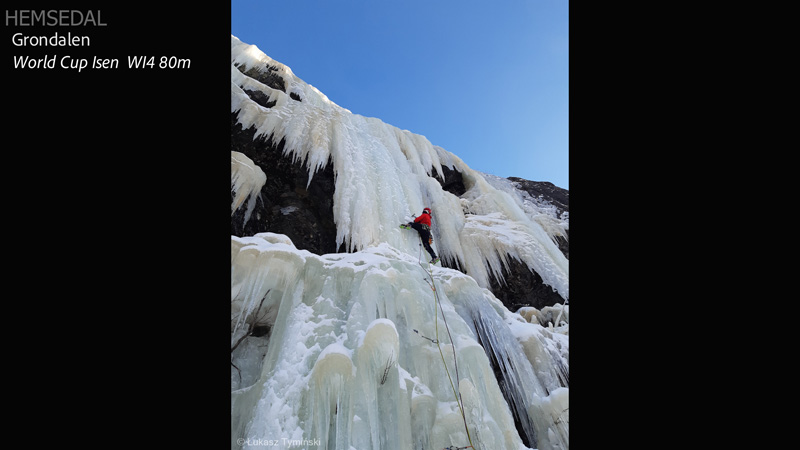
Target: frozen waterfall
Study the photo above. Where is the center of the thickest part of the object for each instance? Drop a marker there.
(349, 351)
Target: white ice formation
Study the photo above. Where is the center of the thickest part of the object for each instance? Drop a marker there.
(350, 360)
(247, 179)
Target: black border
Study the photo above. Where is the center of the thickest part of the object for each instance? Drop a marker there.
(115, 188)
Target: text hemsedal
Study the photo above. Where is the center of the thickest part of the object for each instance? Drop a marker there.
(53, 18)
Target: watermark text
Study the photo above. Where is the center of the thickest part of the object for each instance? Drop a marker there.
(282, 442)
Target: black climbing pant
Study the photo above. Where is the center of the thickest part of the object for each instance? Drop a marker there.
(425, 235)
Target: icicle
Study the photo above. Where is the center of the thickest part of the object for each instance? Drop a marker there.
(343, 362)
(384, 174)
(247, 179)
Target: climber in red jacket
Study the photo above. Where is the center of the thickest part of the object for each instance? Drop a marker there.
(423, 226)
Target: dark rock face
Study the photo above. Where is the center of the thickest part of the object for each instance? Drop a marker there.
(520, 286)
(557, 196)
(260, 98)
(267, 76)
(523, 287)
(453, 181)
(286, 205)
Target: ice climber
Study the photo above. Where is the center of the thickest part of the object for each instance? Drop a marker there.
(423, 226)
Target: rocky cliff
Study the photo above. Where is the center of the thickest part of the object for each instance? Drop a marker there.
(332, 345)
(289, 204)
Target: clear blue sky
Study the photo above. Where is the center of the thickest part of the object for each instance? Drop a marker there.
(486, 80)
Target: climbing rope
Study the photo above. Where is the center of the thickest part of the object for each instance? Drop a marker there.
(456, 393)
(436, 341)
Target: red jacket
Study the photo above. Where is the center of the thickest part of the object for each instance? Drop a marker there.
(424, 219)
